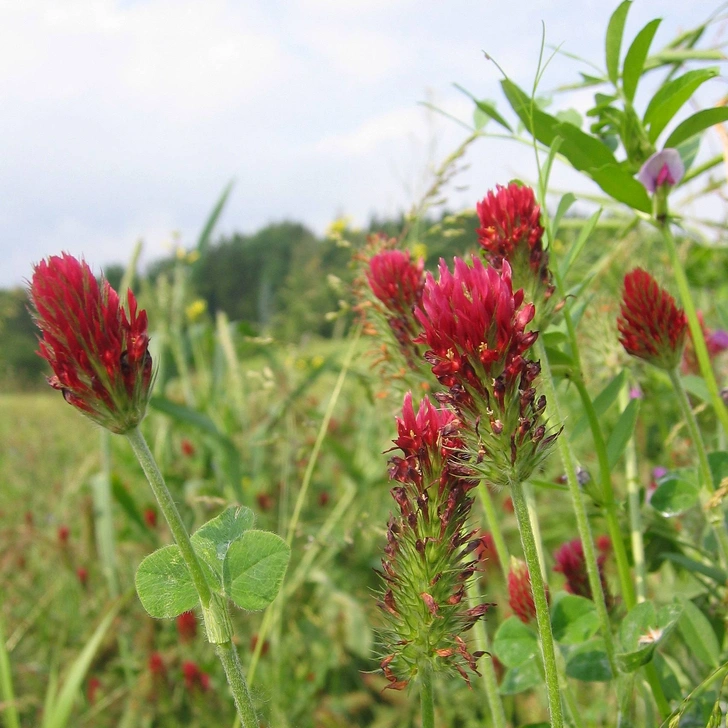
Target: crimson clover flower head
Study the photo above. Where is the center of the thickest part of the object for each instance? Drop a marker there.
(663, 170)
(571, 563)
(510, 229)
(431, 553)
(98, 353)
(520, 594)
(650, 325)
(396, 280)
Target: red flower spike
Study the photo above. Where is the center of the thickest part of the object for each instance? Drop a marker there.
(156, 664)
(187, 626)
(571, 563)
(150, 516)
(98, 353)
(651, 326)
(396, 280)
(519, 591)
(510, 230)
(82, 576)
(92, 687)
(63, 534)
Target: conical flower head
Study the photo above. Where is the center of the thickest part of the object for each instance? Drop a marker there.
(571, 563)
(98, 353)
(510, 229)
(651, 326)
(430, 553)
(396, 280)
(520, 594)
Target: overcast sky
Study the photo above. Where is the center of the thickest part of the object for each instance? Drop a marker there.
(122, 120)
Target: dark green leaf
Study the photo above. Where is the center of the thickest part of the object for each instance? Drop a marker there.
(699, 635)
(515, 643)
(615, 31)
(601, 403)
(164, 585)
(622, 431)
(574, 619)
(634, 61)
(642, 630)
(676, 493)
(670, 98)
(256, 564)
(718, 466)
(696, 123)
(712, 572)
(524, 677)
(589, 663)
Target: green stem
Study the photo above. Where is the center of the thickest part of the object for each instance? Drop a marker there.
(486, 501)
(696, 330)
(214, 608)
(10, 711)
(715, 515)
(535, 527)
(490, 681)
(635, 516)
(543, 617)
(600, 447)
(170, 512)
(427, 696)
(582, 519)
(233, 670)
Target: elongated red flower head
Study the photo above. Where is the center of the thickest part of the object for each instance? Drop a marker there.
(509, 218)
(651, 326)
(396, 280)
(474, 324)
(520, 595)
(99, 354)
(571, 563)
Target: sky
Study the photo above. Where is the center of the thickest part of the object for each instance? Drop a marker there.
(123, 120)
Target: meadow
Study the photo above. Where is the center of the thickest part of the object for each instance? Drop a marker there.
(594, 529)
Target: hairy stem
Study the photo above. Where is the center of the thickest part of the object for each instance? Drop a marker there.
(427, 696)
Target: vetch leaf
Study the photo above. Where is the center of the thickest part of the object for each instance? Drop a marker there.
(589, 663)
(696, 385)
(695, 124)
(164, 585)
(515, 643)
(676, 493)
(699, 635)
(615, 31)
(642, 630)
(712, 572)
(255, 566)
(574, 619)
(212, 540)
(622, 432)
(487, 108)
(670, 98)
(520, 678)
(564, 204)
(634, 61)
(579, 243)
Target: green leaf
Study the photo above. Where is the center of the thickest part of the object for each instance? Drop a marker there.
(670, 98)
(59, 714)
(520, 678)
(696, 385)
(619, 437)
(564, 204)
(584, 152)
(212, 540)
(634, 61)
(579, 243)
(124, 499)
(712, 572)
(695, 124)
(718, 462)
(486, 107)
(574, 619)
(642, 630)
(615, 31)
(589, 663)
(255, 565)
(164, 584)
(676, 493)
(515, 643)
(203, 242)
(699, 635)
(601, 403)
